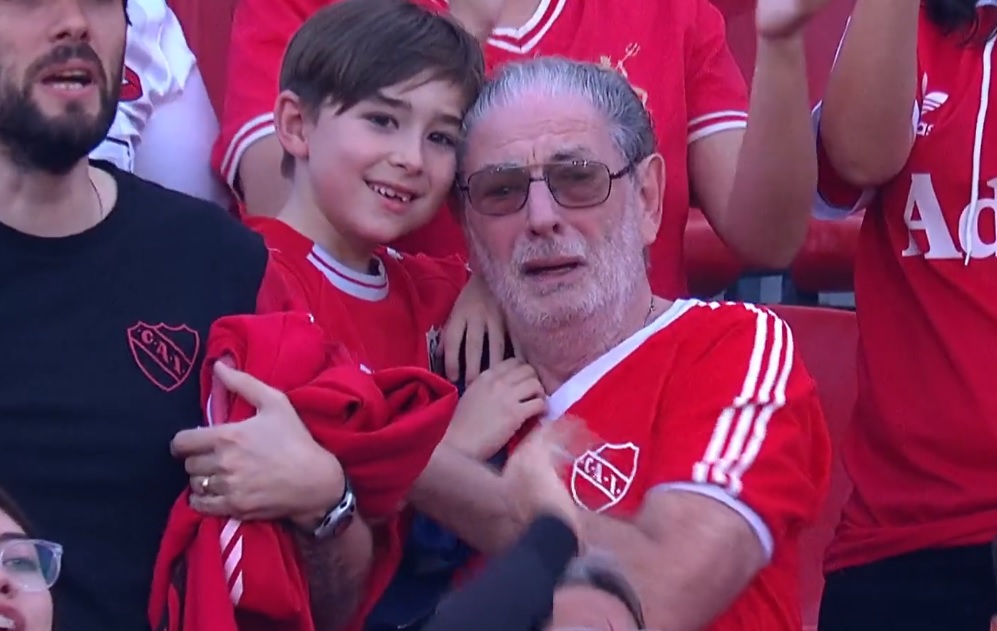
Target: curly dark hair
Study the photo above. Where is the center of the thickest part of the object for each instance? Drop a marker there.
(958, 17)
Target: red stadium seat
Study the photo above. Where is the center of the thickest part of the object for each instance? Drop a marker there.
(827, 260)
(827, 341)
(207, 24)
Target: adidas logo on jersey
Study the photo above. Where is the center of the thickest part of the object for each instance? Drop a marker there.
(931, 102)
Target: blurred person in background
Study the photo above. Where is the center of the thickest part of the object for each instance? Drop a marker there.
(908, 131)
(594, 594)
(165, 124)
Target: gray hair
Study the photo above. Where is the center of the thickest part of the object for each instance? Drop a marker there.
(607, 90)
(599, 572)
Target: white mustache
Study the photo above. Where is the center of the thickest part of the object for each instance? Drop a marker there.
(526, 251)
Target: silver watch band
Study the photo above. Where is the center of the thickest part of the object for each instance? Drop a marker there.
(339, 517)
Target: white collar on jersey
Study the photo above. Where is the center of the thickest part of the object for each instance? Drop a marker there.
(370, 287)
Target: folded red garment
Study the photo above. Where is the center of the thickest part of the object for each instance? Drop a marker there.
(219, 574)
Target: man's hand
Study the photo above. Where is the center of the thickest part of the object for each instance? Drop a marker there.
(494, 407)
(776, 19)
(533, 474)
(266, 467)
(478, 17)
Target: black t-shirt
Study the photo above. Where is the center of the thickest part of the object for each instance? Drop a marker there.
(102, 335)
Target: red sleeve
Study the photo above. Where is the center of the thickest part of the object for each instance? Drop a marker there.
(261, 30)
(716, 93)
(280, 289)
(745, 423)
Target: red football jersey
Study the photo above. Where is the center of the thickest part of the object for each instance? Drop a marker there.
(674, 54)
(922, 447)
(710, 398)
(387, 318)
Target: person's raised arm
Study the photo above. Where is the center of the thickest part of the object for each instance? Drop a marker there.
(247, 154)
(872, 88)
(754, 182)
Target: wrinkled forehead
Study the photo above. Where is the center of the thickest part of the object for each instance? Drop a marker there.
(535, 128)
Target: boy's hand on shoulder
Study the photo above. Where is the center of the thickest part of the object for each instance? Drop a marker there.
(494, 407)
(475, 314)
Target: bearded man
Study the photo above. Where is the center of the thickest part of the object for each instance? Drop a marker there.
(711, 452)
(108, 286)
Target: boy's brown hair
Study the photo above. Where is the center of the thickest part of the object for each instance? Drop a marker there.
(348, 51)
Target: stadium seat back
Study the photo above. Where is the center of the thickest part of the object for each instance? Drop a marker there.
(827, 341)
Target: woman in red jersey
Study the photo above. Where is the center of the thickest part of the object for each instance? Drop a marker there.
(910, 121)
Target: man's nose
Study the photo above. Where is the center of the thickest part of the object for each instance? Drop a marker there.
(69, 21)
(544, 215)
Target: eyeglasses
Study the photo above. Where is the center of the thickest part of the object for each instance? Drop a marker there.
(504, 190)
(33, 564)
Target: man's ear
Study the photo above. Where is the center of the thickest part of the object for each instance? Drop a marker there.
(473, 264)
(650, 174)
(291, 123)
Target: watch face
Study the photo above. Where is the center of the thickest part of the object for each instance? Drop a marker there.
(344, 523)
(339, 518)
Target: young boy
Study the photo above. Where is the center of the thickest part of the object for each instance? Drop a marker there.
(372, 93)
(372, 96)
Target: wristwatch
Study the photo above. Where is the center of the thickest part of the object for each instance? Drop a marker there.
(340, 516)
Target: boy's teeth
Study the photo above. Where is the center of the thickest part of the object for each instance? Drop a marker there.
(5, 622)
(390, 193)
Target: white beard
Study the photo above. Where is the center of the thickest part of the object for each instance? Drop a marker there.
(614, 267)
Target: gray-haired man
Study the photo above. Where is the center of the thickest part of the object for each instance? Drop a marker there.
(712, 451)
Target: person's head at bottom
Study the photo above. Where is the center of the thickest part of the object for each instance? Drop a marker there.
(594, 596)
(29, 568)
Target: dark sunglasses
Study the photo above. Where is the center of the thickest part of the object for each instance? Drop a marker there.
(504, 190)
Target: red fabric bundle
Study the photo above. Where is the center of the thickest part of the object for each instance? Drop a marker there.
(219, 574)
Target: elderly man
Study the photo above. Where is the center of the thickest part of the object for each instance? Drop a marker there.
(712, 452)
